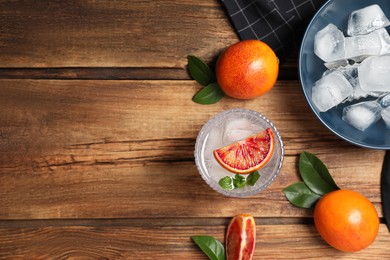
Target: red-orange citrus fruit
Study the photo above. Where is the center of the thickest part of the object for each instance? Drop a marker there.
(247, 69)
(346, 220)
(241, 238)
(249, 155)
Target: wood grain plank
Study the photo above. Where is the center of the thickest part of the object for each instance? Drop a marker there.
(74, 149)
(113, 40)
(111, 34)
(117, 73)
(170, 242)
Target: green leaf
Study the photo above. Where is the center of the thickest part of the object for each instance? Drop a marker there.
(300, 195)
(210, 246)
(226, 183)
(200, 71)
(239, 181)
(209, 95)
(315, 174)
(253, 178)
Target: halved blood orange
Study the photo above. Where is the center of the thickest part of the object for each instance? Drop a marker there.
(241, 238)
(249, 155)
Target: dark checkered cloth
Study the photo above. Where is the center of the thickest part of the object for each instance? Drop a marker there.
(276, 22)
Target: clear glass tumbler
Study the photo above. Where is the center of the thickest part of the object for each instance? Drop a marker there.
(225, 128)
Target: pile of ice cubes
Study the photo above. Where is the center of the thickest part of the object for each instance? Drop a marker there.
(358, 66)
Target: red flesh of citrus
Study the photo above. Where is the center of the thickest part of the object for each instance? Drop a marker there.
(241, 238)
(249, 155)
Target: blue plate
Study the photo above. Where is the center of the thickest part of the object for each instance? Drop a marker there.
(311, 68)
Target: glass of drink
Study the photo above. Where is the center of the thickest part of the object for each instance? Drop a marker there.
(224, 129)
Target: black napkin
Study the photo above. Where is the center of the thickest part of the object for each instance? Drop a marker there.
(385, 188)
(279, 23)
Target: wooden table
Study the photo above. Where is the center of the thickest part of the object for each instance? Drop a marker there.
(97, 134)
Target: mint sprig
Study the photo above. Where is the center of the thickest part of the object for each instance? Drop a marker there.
(239, 181)
(317, 182)
(201, 72)
(226, 183)
(253, 178)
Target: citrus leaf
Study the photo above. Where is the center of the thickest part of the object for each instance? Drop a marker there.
(300, 195)
(315, 174)
(226, 183)
(239, 181)
(253, 178)
(209, 95)
(210, 246)
(200, 71)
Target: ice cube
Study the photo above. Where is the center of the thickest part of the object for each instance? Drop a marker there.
(385, 40)
(336, 64)
(362, 115)
(384, 100)
(350, 60)
(375, 43)
(366, 20)
(385, 114)
(374, 74)
(214, 141)
(329, 44)
(238, 129)
(330, 90)
(351, 74)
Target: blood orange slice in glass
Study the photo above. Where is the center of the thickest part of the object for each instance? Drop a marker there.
(249, 155)
(241, 238)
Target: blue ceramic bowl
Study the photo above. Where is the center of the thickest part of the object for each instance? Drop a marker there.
(311, 68)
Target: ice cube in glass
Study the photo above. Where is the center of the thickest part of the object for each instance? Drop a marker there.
(238, 129)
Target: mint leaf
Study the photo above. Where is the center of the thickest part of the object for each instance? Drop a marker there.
(253, 178)
(315, 174)
(200, 71)
(210, 94)
(210, 246)
(239, 181)
(300, 195)
(226, 183)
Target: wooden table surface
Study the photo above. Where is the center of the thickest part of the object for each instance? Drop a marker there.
(97, 134)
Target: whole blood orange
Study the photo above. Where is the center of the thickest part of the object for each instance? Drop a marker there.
(249, 155)
(346, 220)
(247, 69)
(241, 238)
